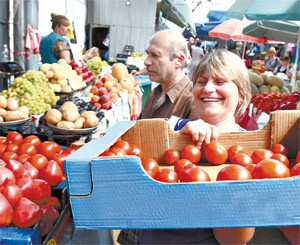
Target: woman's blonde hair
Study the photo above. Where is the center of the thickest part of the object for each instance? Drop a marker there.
(227, 65)
(59, 20)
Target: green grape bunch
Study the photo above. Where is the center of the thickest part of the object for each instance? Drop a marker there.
(33, 90)
(96, 65)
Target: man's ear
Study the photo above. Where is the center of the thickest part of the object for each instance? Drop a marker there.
(180, 61)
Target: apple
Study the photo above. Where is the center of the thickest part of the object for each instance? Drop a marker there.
(102, 91)
(107, 105)
(104, 98)
(99, 84)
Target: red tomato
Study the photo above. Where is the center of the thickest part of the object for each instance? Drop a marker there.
(3, 140)
(2, 148)
(27, 148)
(234, 172)
(12, 192)
(261, 154)
(54, 202)
(16, 167)
(38, 161)
(42, 191)
(171, 156)
(279, 148)
(233, 150)
(5, 173)
(6, 211)
(12, 148)
(48, 148)
(23, 158)
(295, 171)
(136, 150)
(241, 159)
(250, 167)
(191, 153)
(270, 168)
(118, 151)
(298, 157)
(216, 153)
(33, 172)
(107, 153)
(234, 235)
(180, 164)
(282, 158)
(32, 139)
(150, 165)
(59, 158)
(51, 173)
(166, 175)
(68, 150)
(123, 144)
(9, 155)
(27, 213)
(14, 137)
(194, 175)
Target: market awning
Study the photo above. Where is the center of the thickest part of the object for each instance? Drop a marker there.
(178, 12)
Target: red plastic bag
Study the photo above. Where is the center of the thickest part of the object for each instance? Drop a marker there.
(248, 120)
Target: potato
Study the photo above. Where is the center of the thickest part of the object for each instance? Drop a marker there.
(2, 112)
(3, 102)
(90, 122)
(14, 115)
(70, 115)
(12, 104)
(79, 123)
(53, 116)
(88, 114)
(65, 124)
(68, 105)
(25, 110)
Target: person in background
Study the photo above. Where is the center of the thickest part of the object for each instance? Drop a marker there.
(165, 63)
(222, 93)
(191, 42)
(272, 61)
(55, 46)
(197, 54)
(284, 67)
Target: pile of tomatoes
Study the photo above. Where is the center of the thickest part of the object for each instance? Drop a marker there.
(273, 101)
(262, 163)
(28, 170)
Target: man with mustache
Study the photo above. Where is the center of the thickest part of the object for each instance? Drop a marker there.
(165, 63)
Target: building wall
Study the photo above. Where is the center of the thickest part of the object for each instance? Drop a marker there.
(130, 24)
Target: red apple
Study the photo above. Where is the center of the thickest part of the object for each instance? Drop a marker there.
(102, 91)
(104, 98)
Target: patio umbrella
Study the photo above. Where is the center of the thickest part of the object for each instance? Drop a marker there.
(268, 10)
(178, 12)
(233, 29)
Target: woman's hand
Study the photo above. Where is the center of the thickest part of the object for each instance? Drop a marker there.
(201, 132)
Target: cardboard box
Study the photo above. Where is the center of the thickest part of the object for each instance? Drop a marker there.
(115, 192)
(12, 235)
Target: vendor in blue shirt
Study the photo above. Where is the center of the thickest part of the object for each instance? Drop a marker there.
(54, 46)
(221, 94)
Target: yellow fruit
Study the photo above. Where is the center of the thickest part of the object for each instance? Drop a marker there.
(89, 95)
(263, 89)
(108, 84)
(119, 71)
(275, 81)
(274, 89)
(256, 79)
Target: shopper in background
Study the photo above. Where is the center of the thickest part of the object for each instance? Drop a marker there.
(54, 46)
(272, 61)
(165, 63)
(197, 54)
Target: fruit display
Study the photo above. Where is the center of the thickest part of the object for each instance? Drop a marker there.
(107, 88)
(273, 101)
(83, 71)
(262, 83)
(96, 65)
(33, 91)
(138, 56)
(28, 170)
(11, 111)
(74, 113)
(62, 76)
